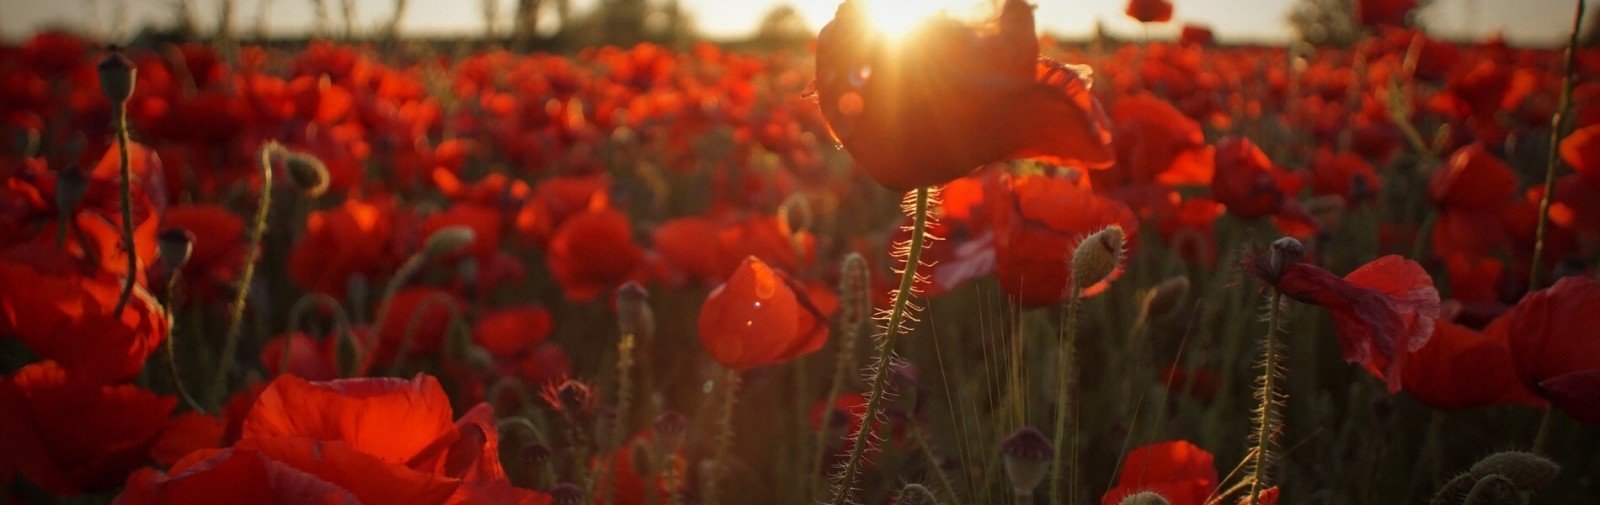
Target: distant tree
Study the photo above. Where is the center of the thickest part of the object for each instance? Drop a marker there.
(1326, 22)
(782, 26)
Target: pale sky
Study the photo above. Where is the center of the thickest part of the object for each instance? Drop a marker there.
(1532, 22)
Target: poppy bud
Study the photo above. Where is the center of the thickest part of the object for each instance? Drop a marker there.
(570, 396)
(1166, 298)
(448, 240)
(1492, 490)
(855, 282)
(1096, 257)
(566, 494)
(670, 428)
(116, 75)
(1525, 470)
(633, 310)
(1027, 459)
(175, 246)
(1285, 251)
(71, 185)
(307, 173)
(1145, 498)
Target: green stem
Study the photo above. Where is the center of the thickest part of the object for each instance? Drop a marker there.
(619, 431)
(724, 439)
(230, 343)
(127, 207)
(1064, 382)
(920, 490)
(172, 356)
(933, 458)
(902, 295)
(853, 285)
(1542, 438)
(1265, 421)
(1553, 158)
(504, 426)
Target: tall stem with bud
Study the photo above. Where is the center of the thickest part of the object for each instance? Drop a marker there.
(117, 78)
(895, 324)
(258, 230)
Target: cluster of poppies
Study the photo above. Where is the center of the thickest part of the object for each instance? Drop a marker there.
(488, 223)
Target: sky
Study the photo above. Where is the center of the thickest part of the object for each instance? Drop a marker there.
(1524, 22)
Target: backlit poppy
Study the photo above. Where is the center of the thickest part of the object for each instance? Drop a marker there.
(951, 97)
(219, 247)
(1249, 183)
(1554, 335)
(63, 311)
(1156, 143)
(592, 253)
(759, 317)
(69, 435)
(1038, 220)
(356, 237)
(1461, 368)
(1179, 471)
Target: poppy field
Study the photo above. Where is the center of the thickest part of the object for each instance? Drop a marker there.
(959, 264)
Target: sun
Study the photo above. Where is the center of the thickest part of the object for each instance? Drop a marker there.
(896, 18)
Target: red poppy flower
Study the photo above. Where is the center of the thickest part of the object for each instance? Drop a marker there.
(1038, 220)
(1157, 144)
(708, 249)
(1554, 335)
(1249, 183)
(357, 237)
(1179, 471)
(219, 247)
(1150, 11)
(1461, 368)
(69, 434)
(307, 357)
(1196, 35)
(1346, 175)
(624, 481)
(511, 331)
(1382, 312)
(186, 434)
(239, 476)
(63, 311)
(759, 317)
(592, 253)
(417, 321)
(951, 97)
(1472, 179)
(1384, 12)
(1190, 229)
(1581, 151)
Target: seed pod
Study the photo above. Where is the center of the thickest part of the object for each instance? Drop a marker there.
(1166, 298)
(566, 494)
(1027, 459)
(448, 240)
(534, 453)
(1144, 498)
(1096, 257)
(116, 75)
(1285, 251)
(1525, 470)
(71, 185)
(175, 246)
(307, 173)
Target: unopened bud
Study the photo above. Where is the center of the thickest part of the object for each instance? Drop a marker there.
(566, 494)
(1285, 251)
(534, 453)
(116, 75)
(1027, 459)
(175, 245)
(1144, 498)
(1527, 471)
(1097, 257)
(1166, 298)
(634, 315)
(1492, 490)
(855, 282)
(71, 185)
(448, 240)
(307, 173)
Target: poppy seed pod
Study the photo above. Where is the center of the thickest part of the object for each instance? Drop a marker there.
(1027, 458)
(1145, 498)
(1096, 257)
(1525, 470)
(534, 453)
(307, 173)
(634, 315)
(176, 244)
(116, 75)
(448, 240)
(1166, 298)
(1285, 251)
(566, 494)
(71, 185)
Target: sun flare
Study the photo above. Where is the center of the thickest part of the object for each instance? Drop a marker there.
(896, 18)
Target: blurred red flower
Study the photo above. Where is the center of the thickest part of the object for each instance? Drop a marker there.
(1384, 12)
(1150, 11)
(1461, 368)
(760, 317)
(1038, 220)
(1249, 183)
(1346, 175)
(1382, 312)
(1179, 471)
(63, 309)
(69, 434)
(416, 324)
(1554, 335)
(219, 247)
(356, 237)
(1197, 35)
(1472, 179)
(593, 252)
(953, 97)
(1157, 144)
(510, 331)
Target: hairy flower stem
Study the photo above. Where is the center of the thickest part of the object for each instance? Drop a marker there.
(172, 356)
(853, 284)
(924, 445)
(1266, 419)
(258, 229)
(121, 113)
(1065, 370)
(1552, 159)
(724, 439)
(880, 372)
(1542, 437)
(619, 431)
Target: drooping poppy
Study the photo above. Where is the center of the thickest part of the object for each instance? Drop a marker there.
(70, 435)
(1249, 183)
(1462, 368)
(63, 310)
(1179, 471)
(1382, 312)
(1554, 335)
(759, 317)
(1150, 11)
(951, 97)
(592, 253)
(1038, 220)
(219, 247)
